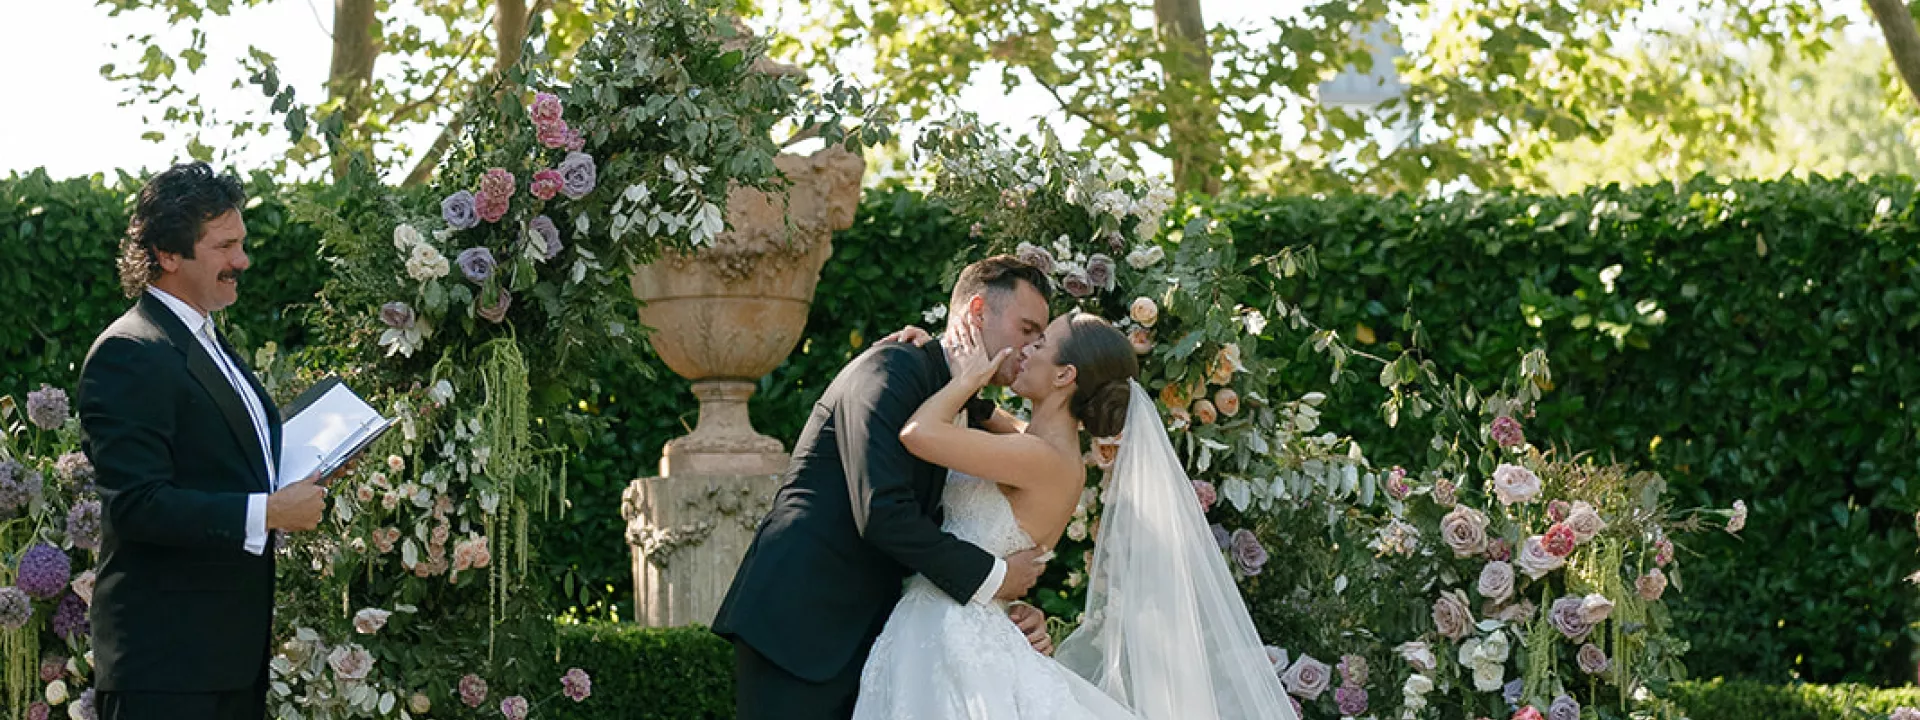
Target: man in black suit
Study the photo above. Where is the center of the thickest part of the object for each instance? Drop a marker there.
(858, 515)
(186, 442)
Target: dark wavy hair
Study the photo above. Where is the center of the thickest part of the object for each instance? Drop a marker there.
(994, 278)
(168, 216)
(1103, 360)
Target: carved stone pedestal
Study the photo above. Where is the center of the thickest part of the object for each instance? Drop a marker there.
(688, 535)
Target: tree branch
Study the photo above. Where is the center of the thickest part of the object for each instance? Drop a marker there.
(1076, 110)
(503, 59)
(1903, 40)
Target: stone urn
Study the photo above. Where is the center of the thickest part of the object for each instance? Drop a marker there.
(723, 317)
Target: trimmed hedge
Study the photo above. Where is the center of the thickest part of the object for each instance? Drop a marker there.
(648, 674)
(1750, 340)
(1720, 699)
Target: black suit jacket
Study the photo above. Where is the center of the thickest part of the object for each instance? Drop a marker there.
(857, 515)
(179, 605)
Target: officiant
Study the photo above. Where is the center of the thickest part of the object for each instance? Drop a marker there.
(186, 442)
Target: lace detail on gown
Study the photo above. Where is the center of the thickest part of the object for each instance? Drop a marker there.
(940, 660)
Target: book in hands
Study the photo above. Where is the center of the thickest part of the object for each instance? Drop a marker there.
(325, 427)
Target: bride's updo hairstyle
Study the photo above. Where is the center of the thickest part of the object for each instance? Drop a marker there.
(1103, 362)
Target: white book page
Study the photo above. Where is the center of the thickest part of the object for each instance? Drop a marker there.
(316, 435)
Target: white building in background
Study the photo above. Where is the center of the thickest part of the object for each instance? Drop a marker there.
(1363, 93)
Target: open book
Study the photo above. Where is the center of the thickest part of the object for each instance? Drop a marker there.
(325, 427)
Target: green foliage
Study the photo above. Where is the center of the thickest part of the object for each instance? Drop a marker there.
(1720, 699)
(647, 673)
(58, 241)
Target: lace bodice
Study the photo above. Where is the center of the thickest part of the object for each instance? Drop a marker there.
(979, 513)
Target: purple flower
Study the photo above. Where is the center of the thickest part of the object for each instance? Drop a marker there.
(460, 211)
(476, 263)
(397, 315)
(1248, 554)
(1221, 537)
(515, 708)
(76, 468)
(473, 690)
(1564, 707)
(18, 487)
(83, 525)
(578, 175)
(1511, 691)
(15, 608)
(1036, 256)
(1506, 432)
(70, 618)
(541, 228)
(497, 313)
(1100, 271)
(1592, 659)
(1568, 618)
(1352, 701)
(38, 711)
(83, 708)
(576, 684)
(47, 407)
(1077, 284)
(52, 667)
(44, 571)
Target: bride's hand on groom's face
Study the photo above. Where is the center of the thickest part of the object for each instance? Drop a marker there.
(909, 334)
(972, 362)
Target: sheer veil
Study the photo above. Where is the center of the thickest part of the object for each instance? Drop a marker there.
(1165, 631)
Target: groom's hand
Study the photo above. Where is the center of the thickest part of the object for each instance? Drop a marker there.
(1023, 570)
(1034, 623)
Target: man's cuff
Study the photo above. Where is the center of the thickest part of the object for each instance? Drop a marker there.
(987, 589)
(257, 523)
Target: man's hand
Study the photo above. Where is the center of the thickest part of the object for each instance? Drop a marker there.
(343, 471)
(298, 507)
(1023, 570)
(909, 334)
(1034, 623)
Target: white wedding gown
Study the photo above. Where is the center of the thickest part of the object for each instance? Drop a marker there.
(940, 660)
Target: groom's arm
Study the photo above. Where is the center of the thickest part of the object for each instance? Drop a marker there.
(868, 418)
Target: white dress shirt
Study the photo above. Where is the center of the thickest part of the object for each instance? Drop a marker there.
(202, 328)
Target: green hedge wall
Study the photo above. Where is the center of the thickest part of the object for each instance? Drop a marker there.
(1749, 340)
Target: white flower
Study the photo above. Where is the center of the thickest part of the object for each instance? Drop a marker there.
(1144, 311)
(350, 662)
(1595, 608)
(1145, 256)
(1489, 677)
(1534, 560)
(1515, 484)
(1077, 530)
(934, 314)
(426, 263)
(401, 342)
(1417, 685)
(1255, 322)
(441, 393)
(707, 224)
(369, 621)
(1739, 518)
(56, 692)
(1277, 657)
(405, 237)
(1417, 654)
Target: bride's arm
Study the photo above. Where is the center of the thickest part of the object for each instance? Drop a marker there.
(1004, 423)
(1016, 460)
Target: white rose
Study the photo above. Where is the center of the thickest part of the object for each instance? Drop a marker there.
(1515, 484)
(1489, 677)
(1495, 649)
(1595, 608)
(1534, 560)
(1417, 654)
(56, 692)
(426, 263)
(1584, 521)
(1417, 685)
(1145, 256)
(1144, 311)
(405, 237)
(369, 621)
(1496, 581)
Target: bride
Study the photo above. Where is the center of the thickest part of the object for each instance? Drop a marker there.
(1164, 636)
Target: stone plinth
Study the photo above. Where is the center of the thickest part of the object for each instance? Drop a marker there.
(688, 535)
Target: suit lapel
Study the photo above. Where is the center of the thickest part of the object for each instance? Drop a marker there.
(204, 370)
(259, 392)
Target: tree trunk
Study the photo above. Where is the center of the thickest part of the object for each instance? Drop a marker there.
(1193, 109)
(1903, 40)
(355, 47)
(511, 19)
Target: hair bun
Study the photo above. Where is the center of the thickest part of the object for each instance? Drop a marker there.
(1104, 411)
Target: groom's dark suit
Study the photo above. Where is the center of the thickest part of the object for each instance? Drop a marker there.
(182, 613)
(857, 515)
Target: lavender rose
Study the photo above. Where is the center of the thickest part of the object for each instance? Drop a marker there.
(1496, 581)
(83, 525)
(1451, 615)
(47, 407)
(476, 263)
(44, 571)
(1564, 708)
(1567, 617)
(578, 175)
(1535, 561)
(1464, 530)
(15, 608)
(1036, 256)
(1307, 678)
(397, 315)
(1100, 271)
(460, 210)
(1512, 691)
(546, 237)
(1248, 554)
(1077, 284)
(1592, 659)
(1352, 701)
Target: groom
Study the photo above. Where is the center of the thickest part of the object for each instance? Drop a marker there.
(858, 515)
(185, 442)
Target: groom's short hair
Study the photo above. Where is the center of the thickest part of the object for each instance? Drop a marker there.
(994, 278)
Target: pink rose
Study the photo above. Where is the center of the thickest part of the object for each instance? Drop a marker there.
(1397, 484)
(369, 620)
(515, 708)
(1557, 510)
(1506, 432)
(1662, 552)
(497, 313)
(546, 109)
(1496, 581)
(555, 136)
(350, 662)
(491, 208)
(1141, 340)
(1651, 585)
(546, 184)
(1204, 490)
(497, 183)
(1585, 521)
(1144, 311)
(1528, 713)
(473, 690)
(1559, 540)
(1451, 615)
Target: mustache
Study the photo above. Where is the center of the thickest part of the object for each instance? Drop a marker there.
(230, 275)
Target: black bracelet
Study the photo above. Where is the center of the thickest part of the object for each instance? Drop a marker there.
(979, 411)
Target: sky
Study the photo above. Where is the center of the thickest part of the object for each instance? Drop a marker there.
(55, 49)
